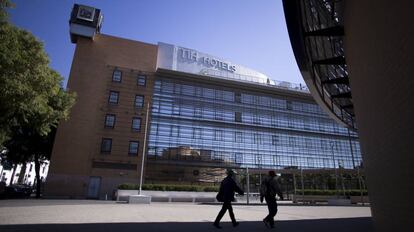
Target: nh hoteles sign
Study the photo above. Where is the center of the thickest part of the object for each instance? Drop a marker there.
(187, 60)
(210, 62)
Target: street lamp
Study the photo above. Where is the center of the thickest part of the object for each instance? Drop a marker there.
(336, 174)
(143, 151)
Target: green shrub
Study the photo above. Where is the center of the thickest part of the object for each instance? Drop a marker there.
(330, 192)
(211, 189)
(128, 186)
(163, 187)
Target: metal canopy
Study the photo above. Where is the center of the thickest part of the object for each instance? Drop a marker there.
(316, 32)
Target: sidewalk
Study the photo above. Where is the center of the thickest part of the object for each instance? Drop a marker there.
(85, 215)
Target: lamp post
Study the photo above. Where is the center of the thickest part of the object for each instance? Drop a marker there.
(143, 150)
(336, 174)
(248, 184)
(302, 184)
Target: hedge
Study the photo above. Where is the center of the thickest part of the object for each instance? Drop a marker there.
(330, 192)
(164, 187)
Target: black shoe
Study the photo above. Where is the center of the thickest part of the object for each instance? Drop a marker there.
(216, 225)
(235, 224)
(266, 223)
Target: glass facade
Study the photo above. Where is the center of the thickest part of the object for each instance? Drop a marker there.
(231, 127)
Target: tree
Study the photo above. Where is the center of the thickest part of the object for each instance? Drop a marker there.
(3, 13)
(30, 91)
(26, 145)
(32, 101)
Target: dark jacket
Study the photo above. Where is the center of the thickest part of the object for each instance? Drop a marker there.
(270, 187)
(227, 189)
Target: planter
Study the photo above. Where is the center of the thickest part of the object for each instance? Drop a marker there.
(169, 196)
(139, 199)
(123, 195)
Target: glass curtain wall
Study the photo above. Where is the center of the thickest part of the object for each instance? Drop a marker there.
(236, 128)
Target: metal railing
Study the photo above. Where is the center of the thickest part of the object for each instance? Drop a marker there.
(256, 80)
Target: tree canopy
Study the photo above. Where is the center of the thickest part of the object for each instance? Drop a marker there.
(31, 95)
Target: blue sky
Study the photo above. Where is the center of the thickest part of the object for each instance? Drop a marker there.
(251, 33)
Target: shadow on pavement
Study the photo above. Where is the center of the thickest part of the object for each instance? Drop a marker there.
(317, 225)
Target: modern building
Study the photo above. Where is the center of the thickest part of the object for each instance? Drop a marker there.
(22, 175)
(188, 114)
(356, 58)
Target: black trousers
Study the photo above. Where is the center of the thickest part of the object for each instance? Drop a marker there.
(272, 206)
(226, 206)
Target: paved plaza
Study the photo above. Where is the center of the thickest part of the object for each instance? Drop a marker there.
(91, 216)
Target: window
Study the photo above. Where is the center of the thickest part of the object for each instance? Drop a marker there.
(258, 159)
(141, 80)
(289, 105)
(238, 116)
(198, 91)
(110, 120)
(117, 76)
(139, 101)
(133, 147)
(176, 109)
(275, 139)
(113, 97)
(218, 114)
(290, 122)
(218, 135)
(238, 158)
(238, 137)
(175, 130)
(196, 133)
(256, 118)
(136, 124)
(276, 160)
(237, 97)
(292, 141)
(197, 112)
(308, 143)
(106, 145)
(273, 120)
(257, 138)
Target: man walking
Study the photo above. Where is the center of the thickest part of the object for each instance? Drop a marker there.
(226, 195)
(268, 190)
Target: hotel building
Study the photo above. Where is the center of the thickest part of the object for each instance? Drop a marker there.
(202, 114)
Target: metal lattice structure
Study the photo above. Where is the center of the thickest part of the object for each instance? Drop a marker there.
(316, 32)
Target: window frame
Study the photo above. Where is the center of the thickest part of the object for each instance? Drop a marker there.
(132, 124)
(143, 101)
(117, 97)
(120, 76)
(238, 137)
(110, 146)
(142, 77)
(129, 148)
(237, 116)
(106, 118)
